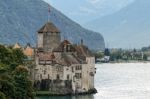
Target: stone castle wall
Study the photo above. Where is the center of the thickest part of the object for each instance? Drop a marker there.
(51, 41)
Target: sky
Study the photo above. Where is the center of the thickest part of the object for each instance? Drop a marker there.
(84, 11)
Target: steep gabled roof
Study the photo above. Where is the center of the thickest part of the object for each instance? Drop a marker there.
(16, 46)
(83, 51)
(68, 59)
(49, 28)
(60, 48)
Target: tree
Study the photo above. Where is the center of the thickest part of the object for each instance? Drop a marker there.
(18, 56)
(14, 79)
(107, 53)
(2, 95)
(22, 83)
(99, 55)
(11, 57)
(6, 84)
(145, 57)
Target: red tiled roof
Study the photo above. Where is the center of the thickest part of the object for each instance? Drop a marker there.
(46, 56)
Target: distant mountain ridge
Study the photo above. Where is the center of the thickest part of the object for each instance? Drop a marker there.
(127, 28)
(21, 19)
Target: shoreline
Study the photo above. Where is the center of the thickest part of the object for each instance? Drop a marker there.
(114, 62)
(48, 93)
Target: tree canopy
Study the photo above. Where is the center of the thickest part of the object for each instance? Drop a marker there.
(14, 78)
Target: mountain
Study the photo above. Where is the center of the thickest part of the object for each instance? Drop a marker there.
(127, 28)
(84, 10)
(21, 19)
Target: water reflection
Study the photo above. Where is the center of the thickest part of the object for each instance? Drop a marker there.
(67, 97)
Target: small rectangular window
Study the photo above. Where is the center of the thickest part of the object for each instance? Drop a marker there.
(72, 69)
(67, 77)
(78, 75)
(44, 71)
(41, 62)
(48, 62)
(57, 77)
(41, 76)
(48, 76)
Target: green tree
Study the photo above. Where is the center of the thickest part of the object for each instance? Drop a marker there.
(145, 57)
(18, 56)
(4, 55)
(107, 52)
(6, 83)
(14, 79)
(2, 95)
(11, 57)
(22, 83)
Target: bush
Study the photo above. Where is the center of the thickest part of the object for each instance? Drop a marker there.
(2, 95)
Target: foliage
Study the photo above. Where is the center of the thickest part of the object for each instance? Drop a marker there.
(14, 78)
(7, 88)
(145, 57)
(2, 95)
(134, 54)
(11, 57)
(22, 83)
(107, 52)
(98, 55)
(145, 48)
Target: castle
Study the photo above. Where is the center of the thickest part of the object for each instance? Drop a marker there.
(60, 66)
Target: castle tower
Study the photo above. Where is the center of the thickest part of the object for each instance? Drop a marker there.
(48, 37)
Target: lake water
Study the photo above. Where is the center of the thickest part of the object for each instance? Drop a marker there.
(118, 81)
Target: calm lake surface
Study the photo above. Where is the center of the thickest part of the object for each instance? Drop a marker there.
(118, 81)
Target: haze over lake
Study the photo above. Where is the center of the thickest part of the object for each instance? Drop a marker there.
(119, 81)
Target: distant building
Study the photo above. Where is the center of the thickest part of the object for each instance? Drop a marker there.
(62, 67)
(28, 50)
(17, 45)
